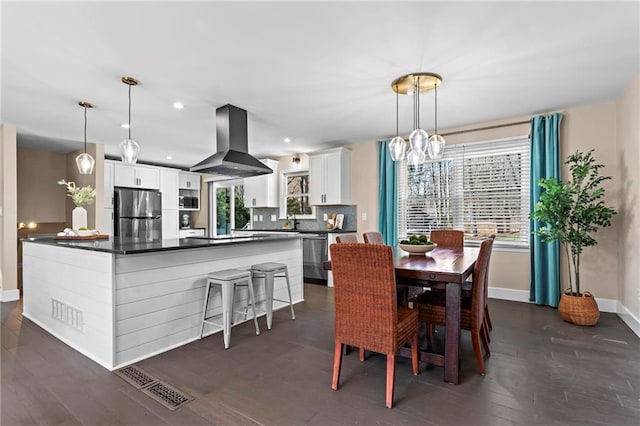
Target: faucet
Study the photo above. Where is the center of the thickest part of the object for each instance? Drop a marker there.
(295, 222)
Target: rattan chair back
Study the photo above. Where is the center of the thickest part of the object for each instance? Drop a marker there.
(365, 296)
(347, 239)
(372, 238)
(447, 238)
(479, 289)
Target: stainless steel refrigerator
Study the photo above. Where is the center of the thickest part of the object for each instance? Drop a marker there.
(138, 214)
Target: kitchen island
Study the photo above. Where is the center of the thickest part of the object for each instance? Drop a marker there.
(120, 301)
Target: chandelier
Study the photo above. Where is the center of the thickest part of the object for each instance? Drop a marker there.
(420, 145)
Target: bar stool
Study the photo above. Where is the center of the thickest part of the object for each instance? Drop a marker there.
(228, 280)
(269, 271)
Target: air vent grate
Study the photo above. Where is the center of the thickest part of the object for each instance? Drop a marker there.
(136, 376)
(168, 396)
(67, 314)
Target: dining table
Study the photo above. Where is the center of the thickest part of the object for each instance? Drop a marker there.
(441, 268)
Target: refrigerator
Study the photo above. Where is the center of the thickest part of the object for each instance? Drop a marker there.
(138, 214)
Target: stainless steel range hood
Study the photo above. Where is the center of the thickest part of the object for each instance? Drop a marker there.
(232, 158)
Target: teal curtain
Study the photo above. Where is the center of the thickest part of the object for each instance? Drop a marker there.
(545, 163)
(387, 195)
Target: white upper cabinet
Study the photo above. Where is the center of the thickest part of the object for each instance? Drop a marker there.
(108, 185)
(136, 176)
(189, 181)
(262, 191)
(330, 177)
(169, 189)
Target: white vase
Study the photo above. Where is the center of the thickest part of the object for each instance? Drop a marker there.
(78, 218)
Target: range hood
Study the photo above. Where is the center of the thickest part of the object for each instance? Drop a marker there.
(232, 158)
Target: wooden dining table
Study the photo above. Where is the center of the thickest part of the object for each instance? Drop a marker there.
(444, 268)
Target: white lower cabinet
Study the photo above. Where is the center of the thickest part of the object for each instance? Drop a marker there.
(169, 224)
(184, 233)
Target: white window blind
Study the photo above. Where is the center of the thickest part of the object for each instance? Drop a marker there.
(481, 188)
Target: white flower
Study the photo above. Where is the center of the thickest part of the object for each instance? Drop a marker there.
(80, 196)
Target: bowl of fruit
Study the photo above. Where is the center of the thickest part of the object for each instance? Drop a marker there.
(417, 244)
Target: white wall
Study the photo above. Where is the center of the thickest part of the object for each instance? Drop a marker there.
(628, 162)
(8, 215)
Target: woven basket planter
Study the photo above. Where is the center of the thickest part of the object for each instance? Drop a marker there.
(579, 310)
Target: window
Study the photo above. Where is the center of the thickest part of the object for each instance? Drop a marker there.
(226, 201)
(295, 199)
(481, 188)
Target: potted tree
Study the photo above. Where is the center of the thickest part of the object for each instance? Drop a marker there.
(571, 212)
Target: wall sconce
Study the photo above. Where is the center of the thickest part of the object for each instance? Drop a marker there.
(29, 225)
(296, 161)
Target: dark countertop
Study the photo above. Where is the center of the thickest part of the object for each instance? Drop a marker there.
(128, 246)
(303, 231)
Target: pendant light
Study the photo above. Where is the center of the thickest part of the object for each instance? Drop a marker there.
(415, 84)
(129, 148)
(85, 161)
(397, 146)
(436, 144)
(418, 138)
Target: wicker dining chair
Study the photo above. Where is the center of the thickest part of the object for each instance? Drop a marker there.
(466, 293)
(340, 240)
(372, 238)
(366, 314)
(347, 238)
(431, 306)
(449, 238)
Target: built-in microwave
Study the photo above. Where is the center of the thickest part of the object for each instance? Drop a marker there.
(188, 202)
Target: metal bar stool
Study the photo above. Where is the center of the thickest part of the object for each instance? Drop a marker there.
(228, 279)
(269, 272)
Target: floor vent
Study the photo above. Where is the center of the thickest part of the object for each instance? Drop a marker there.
(136, 376)
(168, 396)
(67, 314)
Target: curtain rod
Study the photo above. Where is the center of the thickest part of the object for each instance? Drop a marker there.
(497, 126)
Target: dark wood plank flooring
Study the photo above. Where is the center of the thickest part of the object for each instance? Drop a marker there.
(541, 372)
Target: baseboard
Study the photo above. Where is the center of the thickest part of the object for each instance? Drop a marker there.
(508, 294)
(605, 305)
(9, 295)
(629, 318)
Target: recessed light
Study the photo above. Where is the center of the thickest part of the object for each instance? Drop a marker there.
(178, 105)
(169, 157)
(124, 125)
(287, 140)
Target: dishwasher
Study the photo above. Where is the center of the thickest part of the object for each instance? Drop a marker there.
(314, 254)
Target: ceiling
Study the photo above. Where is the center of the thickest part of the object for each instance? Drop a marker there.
(317, 73)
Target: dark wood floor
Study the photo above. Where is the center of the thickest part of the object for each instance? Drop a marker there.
(542, 371)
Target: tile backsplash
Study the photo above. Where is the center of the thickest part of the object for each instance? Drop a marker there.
(318, 224)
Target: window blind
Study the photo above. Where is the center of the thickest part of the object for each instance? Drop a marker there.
(481, 188)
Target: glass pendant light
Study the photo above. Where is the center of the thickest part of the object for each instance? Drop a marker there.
(85, 161)
(418, 145)
(415, 158)
(436, 144)
(129, 149)
(397, 146)
(418, 138)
